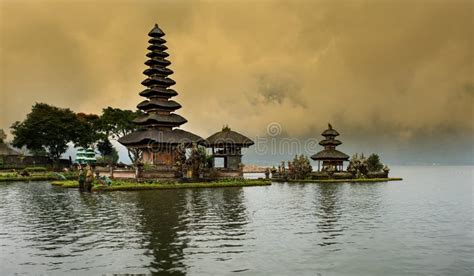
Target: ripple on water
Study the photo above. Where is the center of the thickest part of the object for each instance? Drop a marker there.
(410, 227)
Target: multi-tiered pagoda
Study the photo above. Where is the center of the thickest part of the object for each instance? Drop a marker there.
(331, 158)
(159, 136)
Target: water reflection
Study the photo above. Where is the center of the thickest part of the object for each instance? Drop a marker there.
(47, 227)
(328, 213)
(162, 224)
(191, 222)
(417, 226)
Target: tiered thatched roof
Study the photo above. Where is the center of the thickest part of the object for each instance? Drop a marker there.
(159, 120)
(228, 137)
(330, 143)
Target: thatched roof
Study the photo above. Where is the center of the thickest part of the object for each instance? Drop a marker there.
(158, 71)
(228, 137)
(158, 119)
(5, 149)
(330, 142)
(156, 40)
(157, 47)
(150, 137)
(156, 32)
(330, 131)
(330, 154)
(158, 54)
(158, 91)
(155, 80)
(161, 104)
(157, 61)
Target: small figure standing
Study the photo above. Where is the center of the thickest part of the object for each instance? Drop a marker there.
(81, 179)
(25, 173)
(89, 178)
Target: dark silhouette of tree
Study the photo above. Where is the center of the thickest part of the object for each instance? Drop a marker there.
(107, 151)
(300, 167)
(116, 123)
(46, 129)
(86, 129)
(373, 163)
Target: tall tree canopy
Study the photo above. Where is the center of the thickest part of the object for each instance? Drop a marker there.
(116, 122)
(46, 129)
(87, 130)
(107, 151)
(373, 163)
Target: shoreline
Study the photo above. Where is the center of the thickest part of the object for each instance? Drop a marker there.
(358, 180)
(134, 186)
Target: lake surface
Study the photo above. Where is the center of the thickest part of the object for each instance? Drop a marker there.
(421, 225)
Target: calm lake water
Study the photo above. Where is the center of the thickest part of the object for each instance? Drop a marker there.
(421, 225)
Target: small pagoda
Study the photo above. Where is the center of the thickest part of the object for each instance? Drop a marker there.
(227, 146)
(159, 137)
(85, 156)
(330, 157)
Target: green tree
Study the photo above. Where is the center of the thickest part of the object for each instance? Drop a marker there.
(373, 163)
(46, 129)
(107, 151)
(197, 160)
(116, 123)
(87, 130)
(300, 167)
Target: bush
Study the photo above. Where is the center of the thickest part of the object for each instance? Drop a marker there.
(300, 168)
(373, 163)
(35, 169)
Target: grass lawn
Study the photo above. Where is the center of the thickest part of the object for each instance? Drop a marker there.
(134, 186)
(66, 183)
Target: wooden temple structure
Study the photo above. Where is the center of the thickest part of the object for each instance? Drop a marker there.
(329, 156)
(158, 136)
(227, 145)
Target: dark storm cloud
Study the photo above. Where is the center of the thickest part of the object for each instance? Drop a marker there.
(401, 68)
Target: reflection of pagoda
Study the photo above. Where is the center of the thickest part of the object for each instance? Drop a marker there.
(329, 155)
(159, 137)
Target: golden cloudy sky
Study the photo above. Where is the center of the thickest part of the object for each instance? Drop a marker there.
(397, 69)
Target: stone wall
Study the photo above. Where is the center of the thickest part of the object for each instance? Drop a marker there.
(117, 173)
(168, 174)
(159, 174)
(222, 173)
(20, 161)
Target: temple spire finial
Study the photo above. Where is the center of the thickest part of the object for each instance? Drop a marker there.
(329, 126)
(156, 31)
(226, 128)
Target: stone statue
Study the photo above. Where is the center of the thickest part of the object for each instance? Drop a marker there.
(89, 178)
(81, 178)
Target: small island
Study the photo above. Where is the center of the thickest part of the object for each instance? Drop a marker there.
(359, 169)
